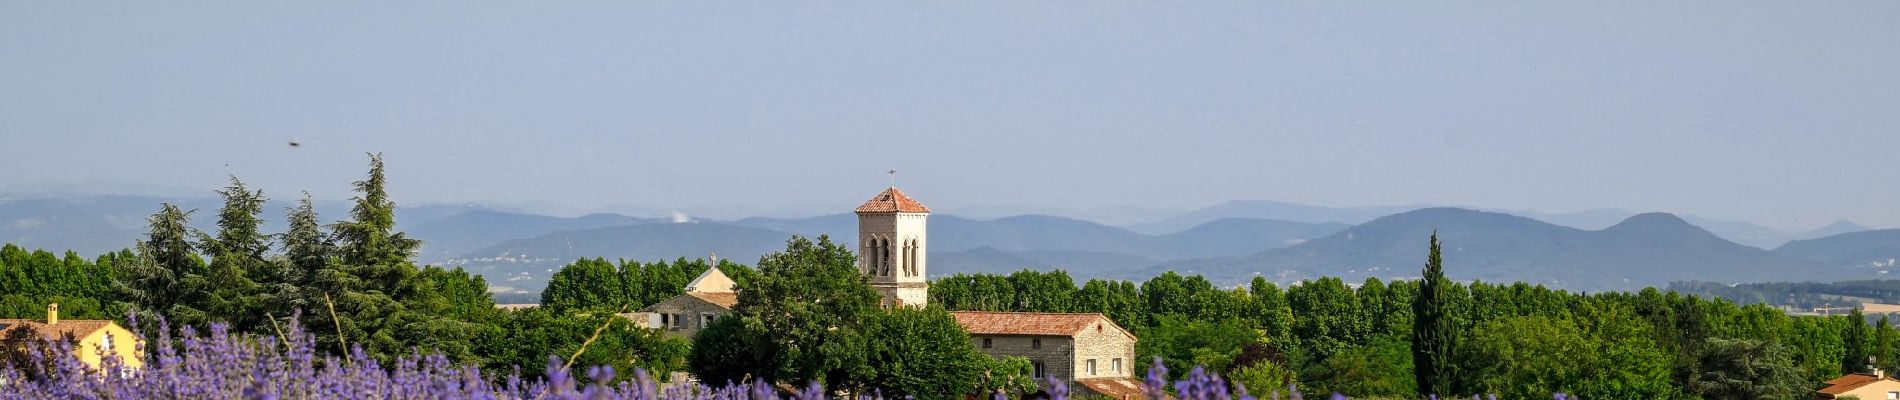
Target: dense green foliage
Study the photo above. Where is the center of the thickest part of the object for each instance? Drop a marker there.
(809, 315)
(29, 280)
(1507, 338)
(600, 283)
(361, 268)
(921, 353)
(1747, 369)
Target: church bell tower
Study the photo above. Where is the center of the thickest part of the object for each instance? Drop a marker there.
(891, 248)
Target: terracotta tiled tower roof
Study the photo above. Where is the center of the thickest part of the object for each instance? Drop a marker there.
(892, 200)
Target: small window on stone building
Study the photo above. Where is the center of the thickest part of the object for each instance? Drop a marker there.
(1098, 328)
(705, 319)
(986, 343)
(1091, 367)
(1035, 343)
(1118, 365)
(1035, 370)
(679, 321)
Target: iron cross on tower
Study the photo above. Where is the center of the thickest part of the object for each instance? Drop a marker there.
(893, 177)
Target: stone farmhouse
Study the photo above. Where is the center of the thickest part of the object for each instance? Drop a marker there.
(92, 339)
(1085, 348)
(707, 297)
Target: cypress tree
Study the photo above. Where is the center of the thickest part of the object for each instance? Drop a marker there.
(1883, 344)
(1432, 335)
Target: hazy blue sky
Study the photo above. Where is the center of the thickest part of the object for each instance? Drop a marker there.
(1784, 113)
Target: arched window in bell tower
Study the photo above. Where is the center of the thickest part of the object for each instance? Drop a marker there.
(910, 257)
(904, 264)
(885, 246)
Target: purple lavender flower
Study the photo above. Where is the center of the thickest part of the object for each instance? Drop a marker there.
(217, 363)
(1057, 389)
(1156, 386)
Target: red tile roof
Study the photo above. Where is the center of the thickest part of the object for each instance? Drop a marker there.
(1027, 323)
(892, 200)
(722, 299)
(76, 328)
(1117, 388)
(1849, 382)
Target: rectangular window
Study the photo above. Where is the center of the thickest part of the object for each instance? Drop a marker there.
(679, 321)
(1035, 343)
(1893, 395)
(1035, 370)
(705, 319)
(1091, 367)
(1118, 365)
(986, 343)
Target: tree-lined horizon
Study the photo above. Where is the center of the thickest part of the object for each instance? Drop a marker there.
(806, 314)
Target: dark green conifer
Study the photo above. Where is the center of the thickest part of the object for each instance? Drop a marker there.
(1432, 337)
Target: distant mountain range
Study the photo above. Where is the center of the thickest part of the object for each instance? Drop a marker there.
(1272, 210)
(1643, 250)
(1872, 249)
(956, 244)
(1230, 242)
(461, 233)
(93, 224)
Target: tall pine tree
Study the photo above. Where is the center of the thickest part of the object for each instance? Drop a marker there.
(371, 274)
(1432, 334)
(155, 282)
(231, 292)
(307, 271)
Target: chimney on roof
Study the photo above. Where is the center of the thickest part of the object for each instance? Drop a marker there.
(52, 314)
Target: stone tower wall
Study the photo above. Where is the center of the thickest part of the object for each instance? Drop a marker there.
(903, 239)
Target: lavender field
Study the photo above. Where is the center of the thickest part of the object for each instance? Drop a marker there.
(219, 364)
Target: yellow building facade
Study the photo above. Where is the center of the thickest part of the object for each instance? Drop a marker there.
(93, 339)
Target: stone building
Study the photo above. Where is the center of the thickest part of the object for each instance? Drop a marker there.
(707, 297)
(91, 338)
(891, 247)
(1085, 348)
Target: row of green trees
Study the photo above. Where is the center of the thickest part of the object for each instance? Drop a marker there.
(597, 282)
(353, 283)
(806, 314)
(1403, 338)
